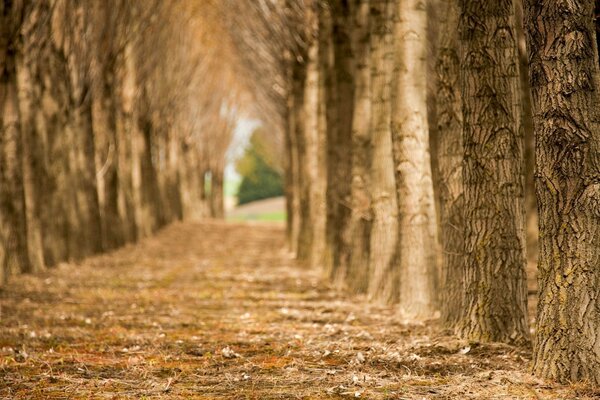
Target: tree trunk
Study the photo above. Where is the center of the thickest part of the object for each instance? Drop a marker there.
(384, 276)
(32, 150)
(360, 219)
(312, 201)
(295, 99)
(450, 156)
(301, 146)
(339, 152)
(410, 135)
(496, 293)
(13, 238)
(217, 205)
(564, 76)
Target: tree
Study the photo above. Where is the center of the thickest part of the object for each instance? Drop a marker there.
(450, 157)
(359, 225)
(260, 180)
(564, 76)
(340, 102)
(410, 137)
(495, 284)
(382, 261)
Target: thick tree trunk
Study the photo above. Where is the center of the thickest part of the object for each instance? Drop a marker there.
(564, 76)
(410, 135)
(360, 219)
(496, 293)
(384, 273)
(450, 156)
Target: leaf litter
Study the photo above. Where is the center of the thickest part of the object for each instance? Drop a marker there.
(218, 310)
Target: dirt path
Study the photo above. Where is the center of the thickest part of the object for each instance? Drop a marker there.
(218, 310)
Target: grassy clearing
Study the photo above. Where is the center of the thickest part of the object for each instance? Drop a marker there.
(219, 311)
(275, 216)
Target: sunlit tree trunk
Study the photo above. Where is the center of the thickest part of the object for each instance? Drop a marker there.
(384, 273)
(316, 132)
(496, 293)
(564, 76)
(417, 219)
(450, 156)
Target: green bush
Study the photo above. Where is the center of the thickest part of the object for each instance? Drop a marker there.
(260, 180)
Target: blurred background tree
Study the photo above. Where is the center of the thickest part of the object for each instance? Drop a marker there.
(261, 170)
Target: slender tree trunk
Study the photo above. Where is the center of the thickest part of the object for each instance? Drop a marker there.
(90, 241)
(31, 159)
(290, 175)
(531, 212)
(450, 156)
(410, 135)
(13, 237)
(295, 101)
(495, 282)
(384, 273)
(339, 238)
(328, 61)
(109, 168)
(360, 218)
(564, 76)
(301, 145)
(316, 131)
(217, 204)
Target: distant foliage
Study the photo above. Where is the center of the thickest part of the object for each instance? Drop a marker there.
(260, 179)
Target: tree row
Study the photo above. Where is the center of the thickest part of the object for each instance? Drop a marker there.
(105, 132)
(349, 84)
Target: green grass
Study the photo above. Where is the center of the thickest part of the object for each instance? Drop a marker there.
(275, 216)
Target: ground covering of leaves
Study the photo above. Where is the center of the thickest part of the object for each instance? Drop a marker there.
(219, 310)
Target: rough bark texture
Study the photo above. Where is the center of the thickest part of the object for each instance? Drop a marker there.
(496, 292)
(450, 156)
(564, 77)
(383, 266)
(410, 135)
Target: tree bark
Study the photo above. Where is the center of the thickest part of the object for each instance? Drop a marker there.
(450, 156)
(564, 76)
(339, 142)
(496, 292)
(32, 152)
(360, 219)
(13, 237)
(410, 135)
(383, 267)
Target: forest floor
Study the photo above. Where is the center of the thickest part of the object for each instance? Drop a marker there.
(218, 310)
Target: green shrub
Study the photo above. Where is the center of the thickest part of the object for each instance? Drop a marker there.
(260, 180)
